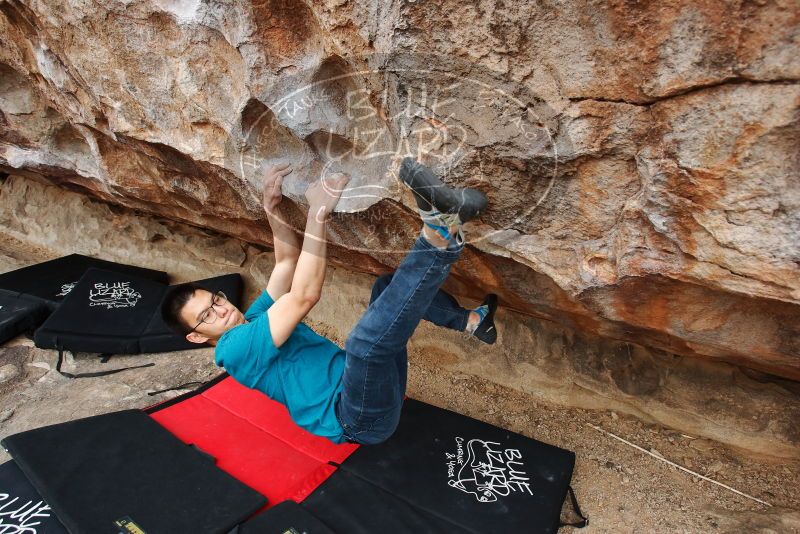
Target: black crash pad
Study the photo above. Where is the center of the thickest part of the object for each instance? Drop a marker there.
(52, 280)
(30, 294)
(349, 504)
(284, 518)
(19, 313)
(22, 509)
(110, 312)
(466, 472)
(102, 473)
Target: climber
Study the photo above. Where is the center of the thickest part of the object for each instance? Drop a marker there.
(353, 394)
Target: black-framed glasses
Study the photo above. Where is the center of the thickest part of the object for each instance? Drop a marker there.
(209, 315)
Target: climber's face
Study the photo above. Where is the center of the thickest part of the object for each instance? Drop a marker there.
(211, 315)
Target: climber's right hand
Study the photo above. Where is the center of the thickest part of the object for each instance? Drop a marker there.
(324, 194)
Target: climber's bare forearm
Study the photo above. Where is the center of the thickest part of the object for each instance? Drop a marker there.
(287, 252)
(310, 272)
(287, 244)
(306, 286)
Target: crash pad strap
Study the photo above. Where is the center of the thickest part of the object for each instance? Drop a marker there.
(175, 388)
(181, 398)
(584, 522)
(94, 374)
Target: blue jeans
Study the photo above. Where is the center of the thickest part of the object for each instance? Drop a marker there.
(376, 367)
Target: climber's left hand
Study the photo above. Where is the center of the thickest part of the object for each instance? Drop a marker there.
(273, 181)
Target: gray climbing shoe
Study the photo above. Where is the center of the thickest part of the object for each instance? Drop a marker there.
(433, 194)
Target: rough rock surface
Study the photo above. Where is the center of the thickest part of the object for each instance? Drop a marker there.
(641, 159)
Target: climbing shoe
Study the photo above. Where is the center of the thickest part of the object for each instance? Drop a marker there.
(486, 331)
(433, 195)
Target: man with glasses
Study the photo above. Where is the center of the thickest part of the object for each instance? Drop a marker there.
(353, 394)
(219, 300)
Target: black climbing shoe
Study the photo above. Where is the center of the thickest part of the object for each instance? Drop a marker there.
(486, 330)
(432, 193)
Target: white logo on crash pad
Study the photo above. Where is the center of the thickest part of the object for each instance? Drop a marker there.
(114, 295)
(66, 288)
(486, 470)
(21, 516)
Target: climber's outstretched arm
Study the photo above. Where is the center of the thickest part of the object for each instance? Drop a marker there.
(286, 242)
(309, 275)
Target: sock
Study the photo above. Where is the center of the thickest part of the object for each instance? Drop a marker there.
(442, 223)
(482, 311)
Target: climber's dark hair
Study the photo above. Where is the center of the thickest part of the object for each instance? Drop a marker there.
(173, 303)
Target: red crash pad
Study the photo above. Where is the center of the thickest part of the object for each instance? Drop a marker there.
(252, 438)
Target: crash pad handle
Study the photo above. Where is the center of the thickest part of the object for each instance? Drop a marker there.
(93, 374)
(584, 520)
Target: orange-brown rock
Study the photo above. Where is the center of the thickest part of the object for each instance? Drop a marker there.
(641, 159)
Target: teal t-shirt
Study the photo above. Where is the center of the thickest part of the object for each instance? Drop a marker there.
(304, 374)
